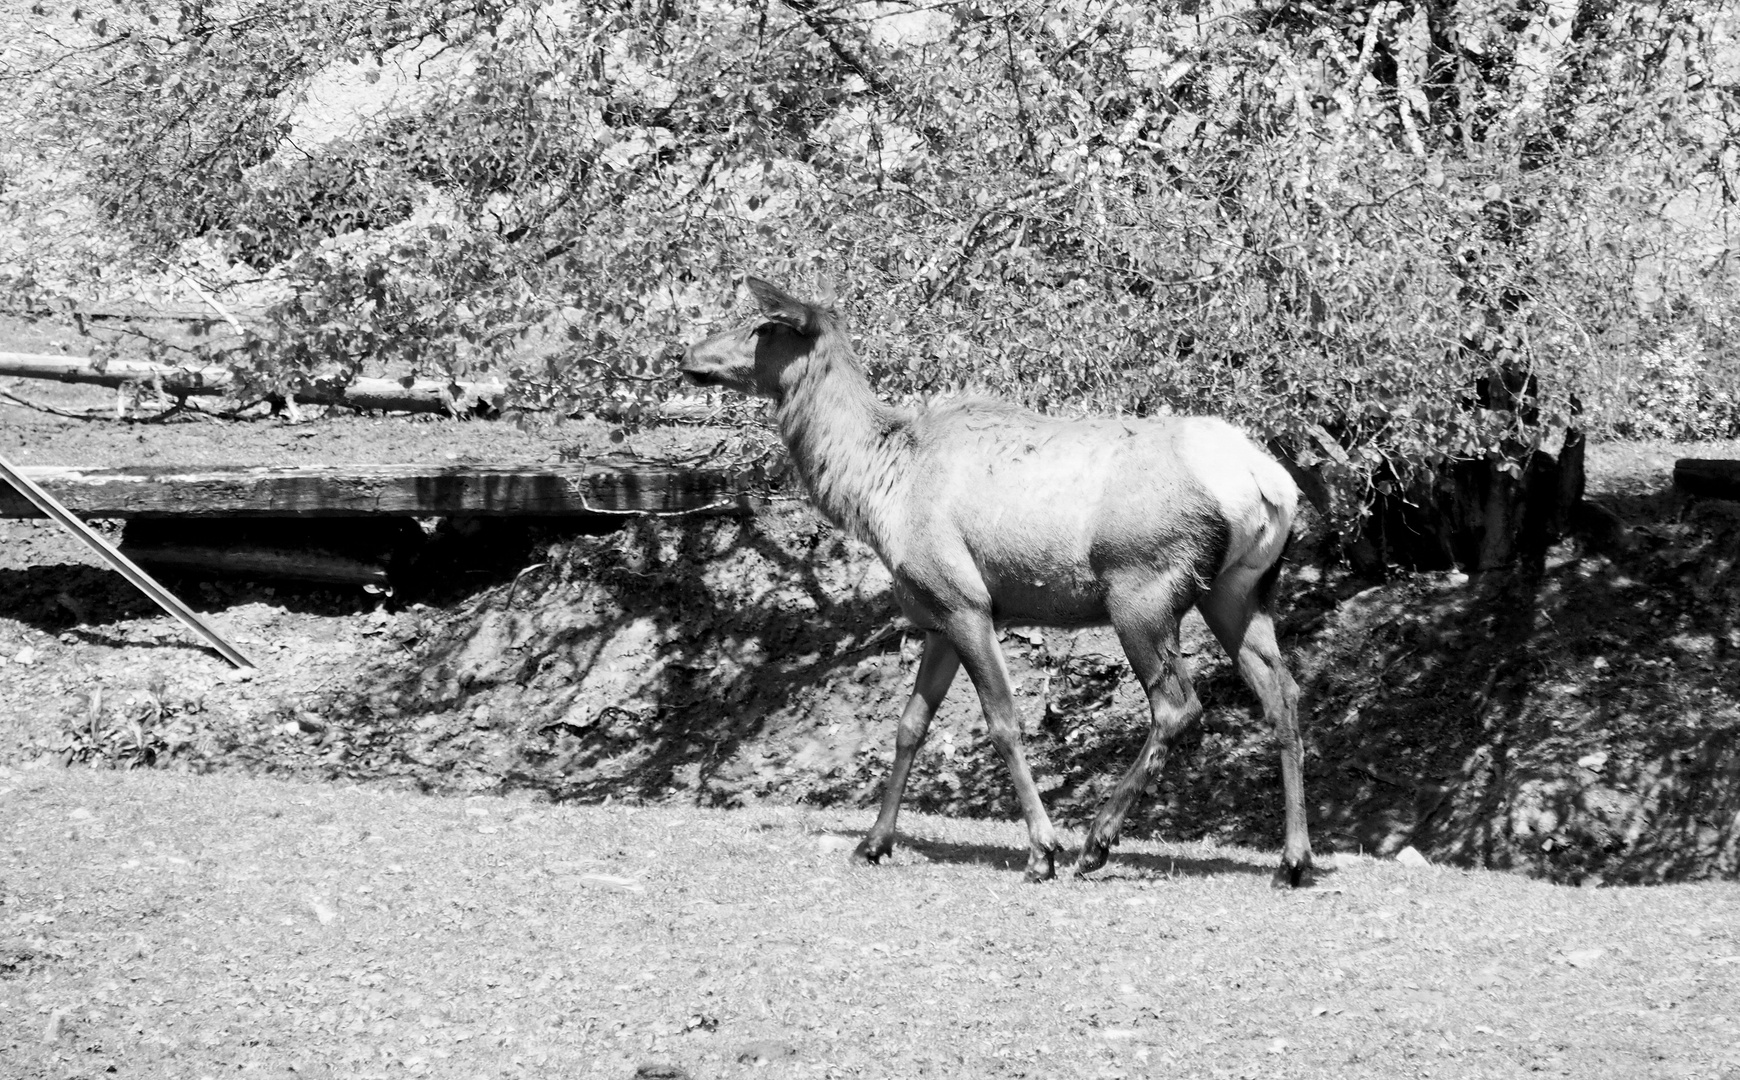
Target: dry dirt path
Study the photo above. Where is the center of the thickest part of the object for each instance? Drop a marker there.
(174, 926)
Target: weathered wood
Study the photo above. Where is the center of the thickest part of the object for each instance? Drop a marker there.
(129, 309)
(79, 369)
(1714, 478)
(364, 490)
(389, 395)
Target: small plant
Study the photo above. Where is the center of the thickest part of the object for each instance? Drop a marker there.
(139, 731)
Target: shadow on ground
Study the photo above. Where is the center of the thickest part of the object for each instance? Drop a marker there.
(1580, 720)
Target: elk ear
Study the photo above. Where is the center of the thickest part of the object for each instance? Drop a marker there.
(782, 307)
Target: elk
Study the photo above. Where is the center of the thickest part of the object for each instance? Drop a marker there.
(987, 514)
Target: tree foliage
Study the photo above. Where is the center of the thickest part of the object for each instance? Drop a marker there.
(1386, 235)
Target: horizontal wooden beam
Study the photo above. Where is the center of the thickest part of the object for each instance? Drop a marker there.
(1717, 478)
(575, 490)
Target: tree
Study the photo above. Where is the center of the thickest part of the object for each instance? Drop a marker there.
(1414, 245)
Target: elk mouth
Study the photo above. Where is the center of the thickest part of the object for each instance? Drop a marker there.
(700, 378)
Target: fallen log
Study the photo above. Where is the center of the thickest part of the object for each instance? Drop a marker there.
(545, 490)
(1713, 478)
(132, 310)
(386, 395)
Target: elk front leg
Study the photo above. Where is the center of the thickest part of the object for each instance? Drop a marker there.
(936, 670)
(975, 639)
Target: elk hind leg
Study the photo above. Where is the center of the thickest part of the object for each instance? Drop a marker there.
(1239, 610)
(1146, 619)
(936, 671)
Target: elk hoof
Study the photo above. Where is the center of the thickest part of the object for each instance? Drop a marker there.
(1093, 856)
(1041, 866)
(869, 853)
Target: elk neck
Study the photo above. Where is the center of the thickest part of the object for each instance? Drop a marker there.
(852, 451)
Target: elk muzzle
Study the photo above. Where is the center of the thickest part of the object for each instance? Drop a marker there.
(694, 370)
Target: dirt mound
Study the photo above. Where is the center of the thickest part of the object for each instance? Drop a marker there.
(1579, 722)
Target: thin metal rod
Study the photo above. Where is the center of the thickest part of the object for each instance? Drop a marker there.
(144, 582)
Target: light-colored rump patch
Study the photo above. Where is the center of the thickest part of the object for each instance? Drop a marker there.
(1255, 494)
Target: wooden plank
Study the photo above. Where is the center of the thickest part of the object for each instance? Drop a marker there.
(363, 490)
(1717, 478)
(420, 395)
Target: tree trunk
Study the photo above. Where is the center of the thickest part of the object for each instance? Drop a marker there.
(1472, 515)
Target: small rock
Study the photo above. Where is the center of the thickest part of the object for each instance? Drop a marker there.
(25, 656)
(1410, 856)
(239, 675)
(611, 881)
(763, 1052)
(659, 1071)
(1593, 762)
(1583, 958)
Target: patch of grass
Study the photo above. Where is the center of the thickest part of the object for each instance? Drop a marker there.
(167, 925)
(1634, 467)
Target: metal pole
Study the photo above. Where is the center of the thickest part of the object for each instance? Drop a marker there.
(144, 582)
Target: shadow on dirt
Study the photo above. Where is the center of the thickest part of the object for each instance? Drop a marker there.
(63, 597)
(459, 559)
(1578, 721)
(1123, 864)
